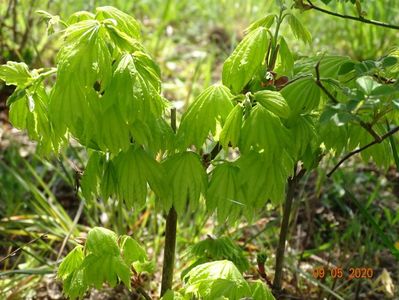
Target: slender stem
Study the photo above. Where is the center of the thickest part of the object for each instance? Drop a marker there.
(292, 184)
(358, 19)
(170, 237)
(169, 252)
(356, 151)
(275, 46)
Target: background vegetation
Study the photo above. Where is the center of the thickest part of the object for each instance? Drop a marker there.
(40, 209)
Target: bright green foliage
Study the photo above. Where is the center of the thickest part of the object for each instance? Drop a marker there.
(271, 136)
(135, 168)
(263, 179)
(218, 249)
(219, 280)
(187, 181)
(230, 133)
(274, 102)
(14, 73)
(104, 260)
(303, 95)
(285, 61)
(224, 191)
(209, 109)
(298, 29)
(242, 64)
(266, 22)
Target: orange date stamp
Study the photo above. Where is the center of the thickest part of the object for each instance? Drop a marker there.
(338, 272)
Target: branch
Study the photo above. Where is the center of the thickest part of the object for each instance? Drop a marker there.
(350, 154)
(358, 19)
(41, 237)
(367, 126)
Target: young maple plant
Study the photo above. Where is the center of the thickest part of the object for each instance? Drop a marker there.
(239, 145)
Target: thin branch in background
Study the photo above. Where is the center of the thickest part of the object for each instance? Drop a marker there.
(320, 84)
(354, 152)
(348, 17)
(41, 237)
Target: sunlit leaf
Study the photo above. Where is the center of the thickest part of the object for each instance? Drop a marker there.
(210, 108)
(241, 65)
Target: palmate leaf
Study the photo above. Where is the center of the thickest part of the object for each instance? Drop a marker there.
(71, 273)
(274, 102)
(241, 65)
(270, 136)
(103, 261)
(187, 181)
(302, 95)
(219, 249)
(102, 241)
(92, 176)
(30, 113)
(210, 108)
(101, 268)
(216, 279)
(83, 60)
(135, 168)
(263, 178)
(223, 193)
(230, 134)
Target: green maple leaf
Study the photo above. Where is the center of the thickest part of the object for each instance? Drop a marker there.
(208, 110)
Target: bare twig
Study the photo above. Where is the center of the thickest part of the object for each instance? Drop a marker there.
(354, 152)
(358, 19)
(43, 236)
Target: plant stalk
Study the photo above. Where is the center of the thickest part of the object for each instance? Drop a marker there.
(292, 184)
(170, 236)
(169, 252)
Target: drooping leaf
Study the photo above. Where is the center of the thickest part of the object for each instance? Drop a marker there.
(241, 65)
(209, 109)
(92, 176)
(298, 29)
(230, 134)
(105, 268)
(223, 193)
(274, 102)
(270, 136)
(263, 178)
(187, 181)
(303, 95)
(285, 63)
(135, 168)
